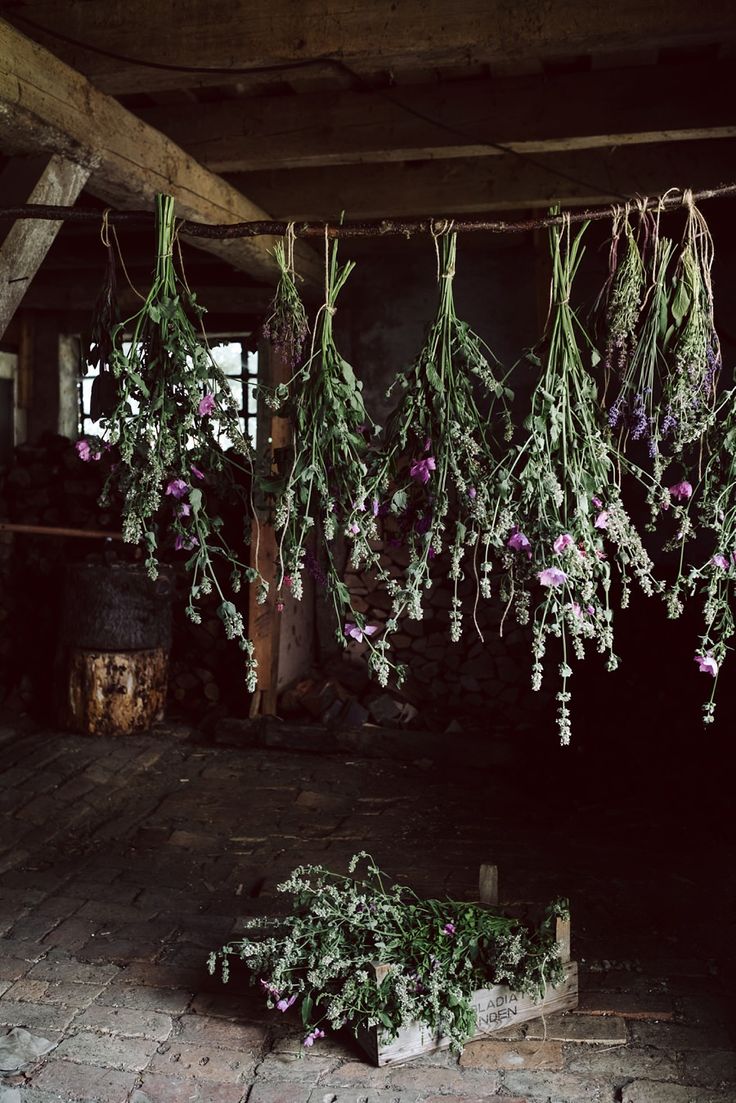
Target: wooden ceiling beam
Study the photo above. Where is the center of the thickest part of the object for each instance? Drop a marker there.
(474, 185)
(458, 119)
(235, 34)
(47, 106)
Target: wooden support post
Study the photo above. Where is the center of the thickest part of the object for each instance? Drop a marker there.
(264, 621)
(28, 241)
(488, 884)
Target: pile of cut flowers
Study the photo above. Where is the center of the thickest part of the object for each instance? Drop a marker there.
(321, 957)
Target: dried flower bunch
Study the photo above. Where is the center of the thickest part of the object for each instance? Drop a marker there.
(440, 952)
(539, 504)
(434, 469)
(172, 402)
(568, 533)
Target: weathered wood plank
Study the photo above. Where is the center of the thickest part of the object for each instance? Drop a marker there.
(221, 35)
(465, 186)
(495, 1009)
(45, 105)
(459, 119)
(488, 884)
(27, 243)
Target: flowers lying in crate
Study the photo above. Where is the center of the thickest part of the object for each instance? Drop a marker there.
(405, 975)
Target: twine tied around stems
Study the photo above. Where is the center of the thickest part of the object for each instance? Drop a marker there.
(441, 229)
(328, 308)
(105, 227)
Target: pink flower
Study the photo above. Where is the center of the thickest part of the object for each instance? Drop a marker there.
(577, 609)
(421, 469)
(707, 665)
(681, 491)
(355, 632)
(551, 576)
(597, 502)
(354, 528)
(206, 404)
(376, 507)
(284, 1005)
(601, 521)
(185, 543)
(287, 581)
(562, 542)
(449, 929)
(312, 1037)
(720, 561)
(85, 453)
(177, 488)
(196, 472)
(279, 606)
(184, 510)
(519, 542)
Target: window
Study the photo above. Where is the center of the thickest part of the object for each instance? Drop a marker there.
(238, 364)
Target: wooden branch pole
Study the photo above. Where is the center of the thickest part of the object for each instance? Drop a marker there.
(264, 621)
(27, 243)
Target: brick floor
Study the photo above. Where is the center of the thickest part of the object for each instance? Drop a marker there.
(125, 861)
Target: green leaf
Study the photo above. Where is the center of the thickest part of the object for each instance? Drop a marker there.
(306, 1009)
(195, 500)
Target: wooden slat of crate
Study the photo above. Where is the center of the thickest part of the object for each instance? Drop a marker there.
(495, 1008)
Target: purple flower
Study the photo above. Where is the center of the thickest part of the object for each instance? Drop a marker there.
(597, 502)
(428, 444)
(472, 492)
(449, 929)
(577, 609)
(85, 453)
(177, 488)
(681, 491)
(312, 1037)
(421, 469)
(720, 561)
(707, 665)
(185, 543)
(562, 542)
(284, 1005)
(518, 542)
(354, 528)
(196, 472)
(601, 521)
(376, 507)
(360, 505)
(184, 509)
(552, 576)
(355, 632)
(206, 404)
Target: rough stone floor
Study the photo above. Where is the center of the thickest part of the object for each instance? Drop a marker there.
(123, 862)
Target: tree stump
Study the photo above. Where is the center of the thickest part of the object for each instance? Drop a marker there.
(116, 692)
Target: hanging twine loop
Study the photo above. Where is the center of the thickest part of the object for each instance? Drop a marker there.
(441, 228)
(105, 227)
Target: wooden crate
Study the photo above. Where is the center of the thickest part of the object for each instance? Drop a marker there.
(495, 1007)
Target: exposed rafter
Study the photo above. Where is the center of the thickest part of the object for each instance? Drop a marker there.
(474, 185)
(227, 35)
(472, 118)
(46, 106)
